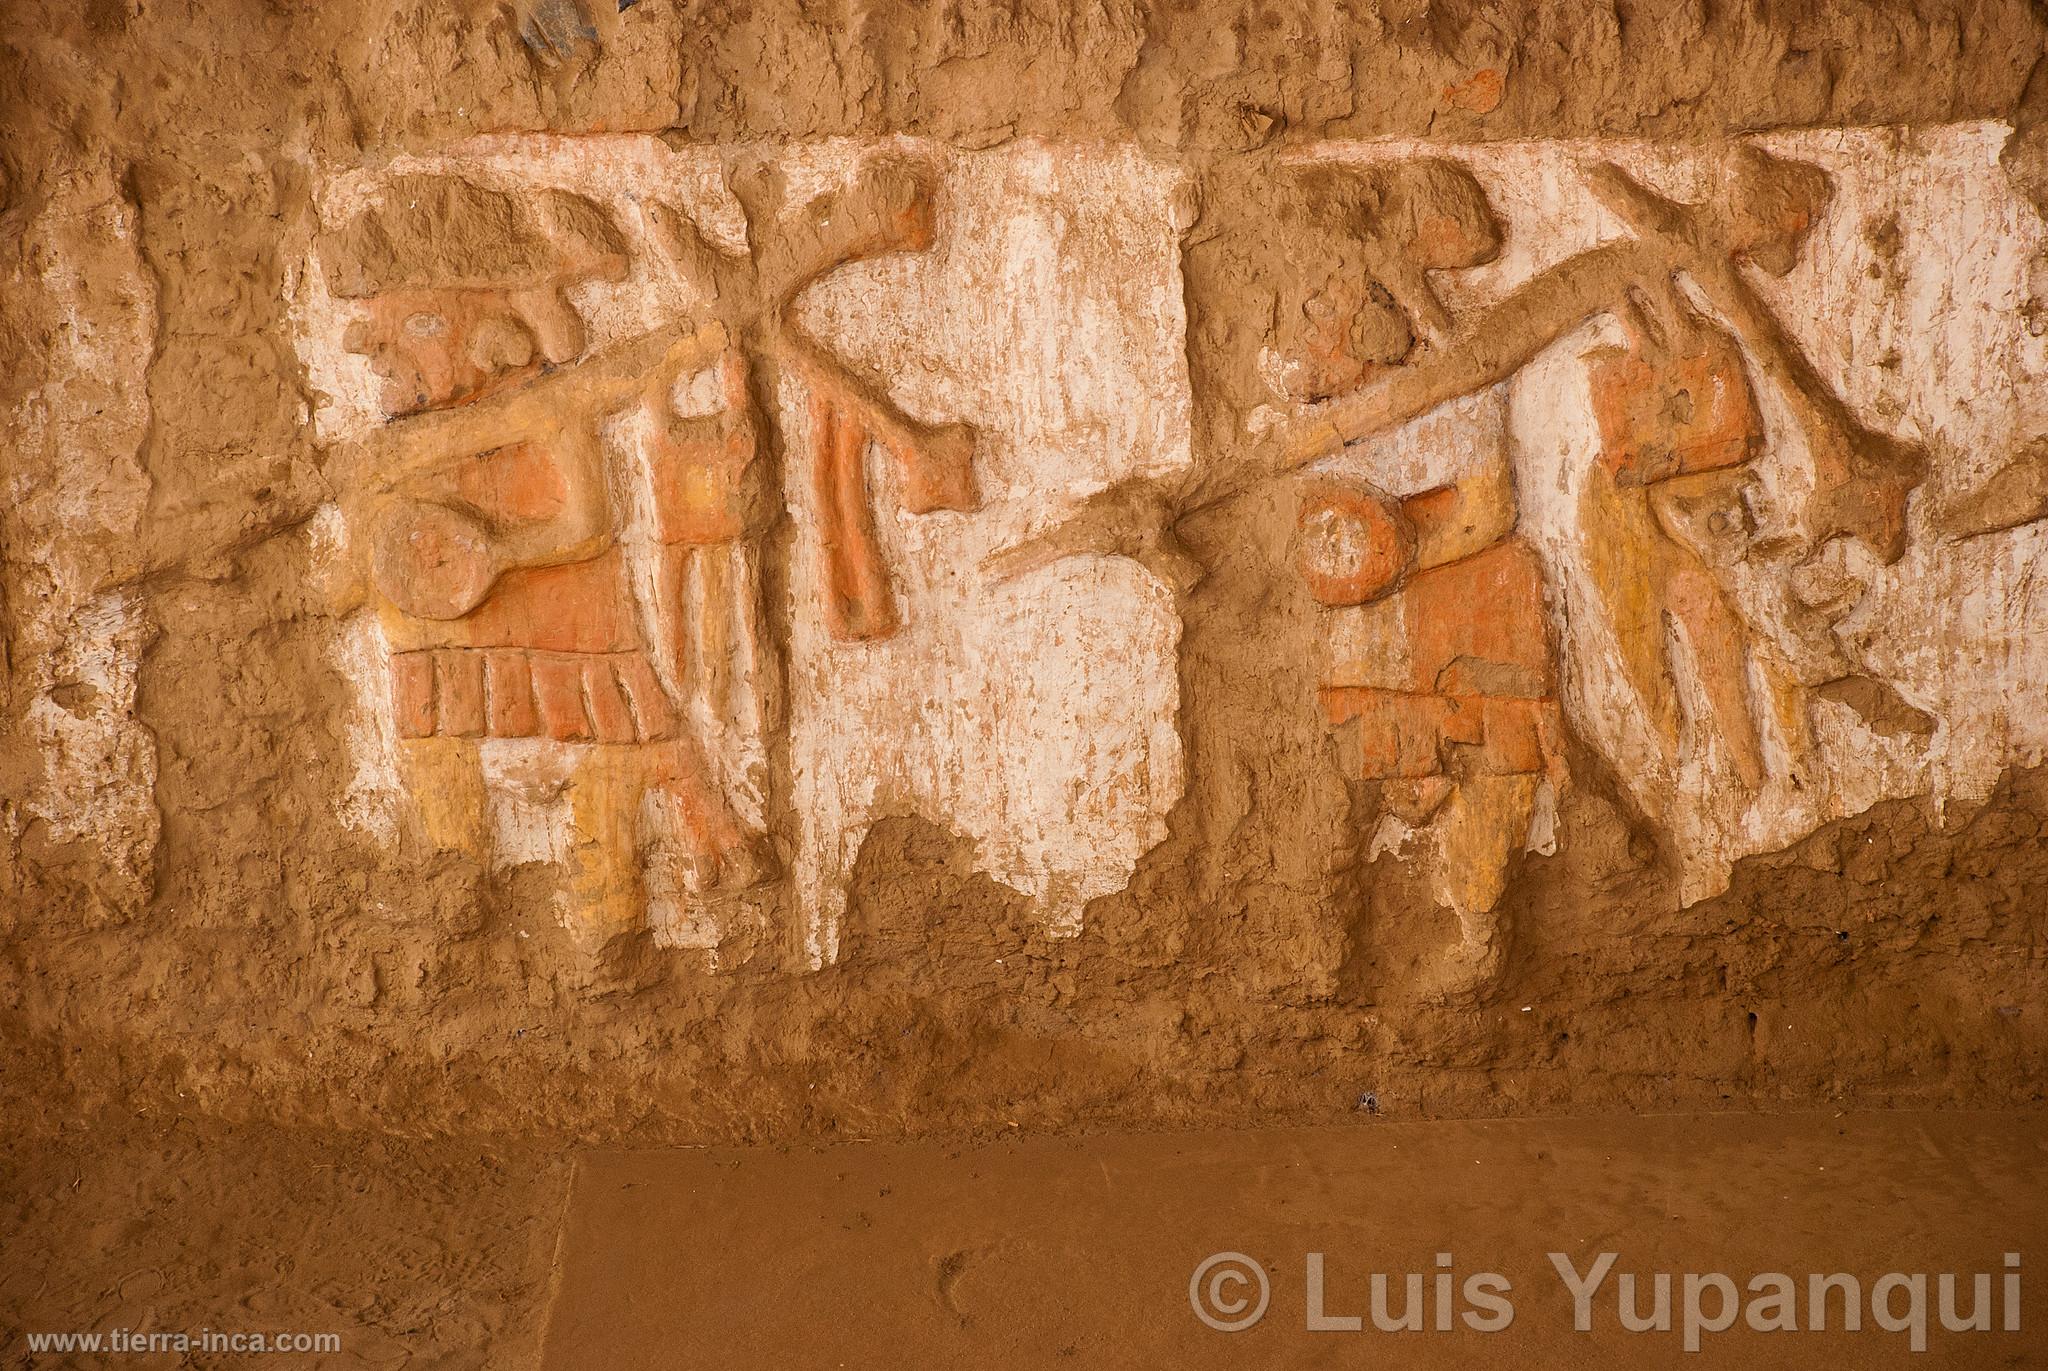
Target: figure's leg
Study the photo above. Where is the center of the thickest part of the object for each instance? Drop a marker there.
(1720, 654)
(711, 631)
(608, 876)
(604, 803)
(1704, 515)
(725, 854)
(1623, 547)
(1788, 704)
(710, 639)
(1478, 831)
(858, 603)
(446, 779)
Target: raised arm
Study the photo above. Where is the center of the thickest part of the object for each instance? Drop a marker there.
(420, 444)
(1483, 350)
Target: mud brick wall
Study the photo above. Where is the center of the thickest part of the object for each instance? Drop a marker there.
(720, 571)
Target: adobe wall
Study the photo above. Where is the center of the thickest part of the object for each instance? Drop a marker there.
(735, 572)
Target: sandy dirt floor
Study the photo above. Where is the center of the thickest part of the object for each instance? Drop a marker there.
(1059, 1252)
(422, 1257)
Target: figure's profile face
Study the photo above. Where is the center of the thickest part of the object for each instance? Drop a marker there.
(1768, 207)
(1456, 239)
(432, 349)
(1333, 334)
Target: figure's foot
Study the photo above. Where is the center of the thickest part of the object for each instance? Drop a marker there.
(1873, 476)
(938, 468)
(1880, 705)
(2015, 494)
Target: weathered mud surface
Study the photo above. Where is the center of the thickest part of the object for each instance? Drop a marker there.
(194, 920)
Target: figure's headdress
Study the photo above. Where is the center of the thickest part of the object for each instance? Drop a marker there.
(434, 232)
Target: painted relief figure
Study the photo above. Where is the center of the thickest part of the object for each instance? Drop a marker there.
(520, 596)
(888, 209)
(1439, 674)
(1667, 509)
(1664, 507)
(1723, 623)
(673, 456)
(1665, 515)
(492, 526)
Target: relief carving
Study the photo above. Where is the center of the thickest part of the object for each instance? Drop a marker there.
(889, 209)
(636, 510)
(1713, 515)
(1439, 678)
(1571, 466)
(509, 596)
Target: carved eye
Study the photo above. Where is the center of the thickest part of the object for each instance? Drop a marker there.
(425, 325)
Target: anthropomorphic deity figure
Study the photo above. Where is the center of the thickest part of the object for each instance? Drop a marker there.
(1668, 510)
(492, 526)
(1665, 515)
(1439, 673)
(493, 507)
(1665, 508)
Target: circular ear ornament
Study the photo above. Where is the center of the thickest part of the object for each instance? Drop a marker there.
(1351, 544)
(431, 561)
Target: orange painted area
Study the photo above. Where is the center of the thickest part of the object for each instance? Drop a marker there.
(1480, 92)
(578, 607)
(1480, 677)
(611, 719)
(1399, 735)
(1663, 417)
(1405, 736)
(412, 693)
(1432, 508)
(1672, 415)
(459, 678)
(1351, 545)
(857, 599)
(697, 487)
(937, 470)
(513, 693)
(677, 768)
(700, 466)
(1483, 611)
(508, 682)
(558, 695)
(517, 484)
(652, 713)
